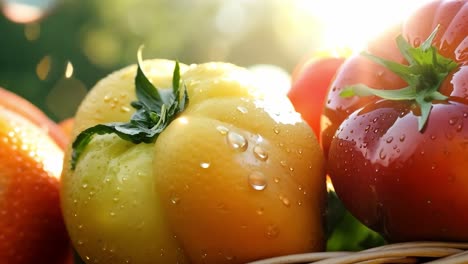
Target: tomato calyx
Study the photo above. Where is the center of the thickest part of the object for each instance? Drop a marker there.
(155, 110)
(424, 75)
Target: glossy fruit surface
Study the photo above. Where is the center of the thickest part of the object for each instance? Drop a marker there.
(31, 224)
(214, 187)
(23, 107)
(310, 82)
(400, 165)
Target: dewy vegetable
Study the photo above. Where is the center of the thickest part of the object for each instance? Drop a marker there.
(225, 172)
(395, 128)
(32, 229)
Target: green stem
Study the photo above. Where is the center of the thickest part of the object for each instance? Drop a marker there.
(424, 74)
(154, 112)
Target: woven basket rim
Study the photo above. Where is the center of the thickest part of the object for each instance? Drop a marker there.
(405, 252)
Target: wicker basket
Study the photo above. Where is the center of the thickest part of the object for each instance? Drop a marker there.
(409, 252)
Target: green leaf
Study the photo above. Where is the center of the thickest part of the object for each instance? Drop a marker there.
(399, 69)
(154, 112)
(428, 42)
(407, 93)
(176, 79)
(425, 107)
(405, 48)
(146, 93)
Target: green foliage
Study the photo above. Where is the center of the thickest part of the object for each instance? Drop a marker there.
(345, 232)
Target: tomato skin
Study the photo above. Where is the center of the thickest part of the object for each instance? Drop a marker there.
(214, 187)
(401, 179)
(405, 184)
(310, 82)
(66, 126)
(358, 69)
(26, 109)
(31, 224)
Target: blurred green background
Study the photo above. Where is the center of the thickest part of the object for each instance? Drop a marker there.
(53, 51)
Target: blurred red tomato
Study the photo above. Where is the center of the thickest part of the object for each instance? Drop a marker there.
(31, 224)
(310, 81)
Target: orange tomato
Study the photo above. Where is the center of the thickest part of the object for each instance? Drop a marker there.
(28, 110)
(31, 157)
(67, 126)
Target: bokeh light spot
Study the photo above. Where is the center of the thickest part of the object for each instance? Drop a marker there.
(26, 11)
(65, 97)
(101, 47)
(32, 31)
(273, 79)
(43, 68)
(69, 70)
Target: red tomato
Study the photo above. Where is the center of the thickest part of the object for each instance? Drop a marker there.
(400, 174)
(310, 81)
(31, 224)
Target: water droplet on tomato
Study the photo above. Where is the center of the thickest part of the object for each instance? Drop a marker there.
(276, 130)
(205, 165)
(389, 139)
(222, 129)
(260, 153)
(125, 109)
(257, 181)
(402, 138)
(283, 163)
(236, 141)
(175, 199)
(242, 109)
(286, 202)
(452, 121)
(382, 154)
(272, 231)
(416, 42)
(260, 211)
